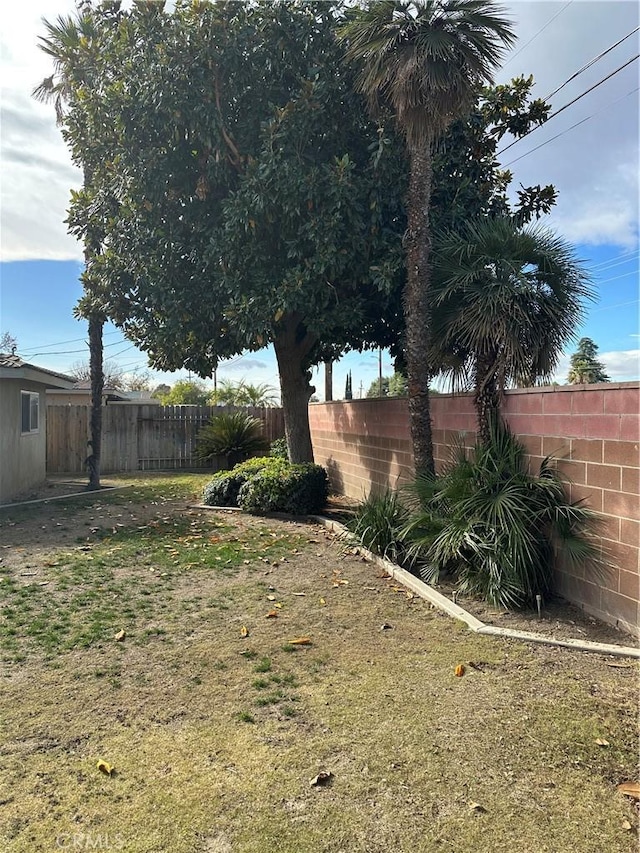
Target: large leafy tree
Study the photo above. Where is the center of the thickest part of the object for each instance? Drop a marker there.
(424, 60)
(241, 193)
(506, 300)
(585, 368)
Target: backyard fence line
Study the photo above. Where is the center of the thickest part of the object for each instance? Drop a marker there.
(139, 437)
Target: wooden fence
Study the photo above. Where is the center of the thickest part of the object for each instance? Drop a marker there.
(138, 437)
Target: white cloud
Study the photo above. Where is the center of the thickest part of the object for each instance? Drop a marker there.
(594, 166)
(620, 365)
(623, 365)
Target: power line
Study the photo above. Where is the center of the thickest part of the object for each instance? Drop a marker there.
(534, 37)
(61, 343)
(591, 62)
(70, 351)
(617, 277)
(562, 132)
(607, 265)
(617, 305)
(575, 100)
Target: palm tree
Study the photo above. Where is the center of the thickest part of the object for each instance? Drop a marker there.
(507, 299)
(423, 60)
(71, 43)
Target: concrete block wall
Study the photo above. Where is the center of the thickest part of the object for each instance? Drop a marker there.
(593, 430)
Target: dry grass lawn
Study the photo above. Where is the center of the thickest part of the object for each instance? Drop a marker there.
(215, 737)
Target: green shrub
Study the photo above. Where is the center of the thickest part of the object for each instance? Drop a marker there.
(296, 489)
(377, 523)
(498, 528)
(223, 489)
(235, 435)
(279, 449)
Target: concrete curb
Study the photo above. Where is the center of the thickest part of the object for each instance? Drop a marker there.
(94, 492)
(440, 601)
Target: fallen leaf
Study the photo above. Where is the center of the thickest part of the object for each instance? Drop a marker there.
(278, 604)
(271, 598)
(371, 588)
(385, 626)
(460, 670)
(602, 742)
(626, 825)
(476, 807)
(323, 778)
(322, 602)
(272, 614)
(119, 637)
(409, 595)
(105, 767)
(244, 631)
(300, 641)
(630, 789)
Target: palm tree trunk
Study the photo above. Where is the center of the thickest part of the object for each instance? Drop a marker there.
(487, 396)
(416, 307)
(97, 386)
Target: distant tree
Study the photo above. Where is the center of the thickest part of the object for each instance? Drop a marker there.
(585, 369)
(141, 380)
(161, 391)
(113, 374)
(392, 386)
(187, 392)
(8, 343)
(244, 394)
(348, 390)
(374, 390)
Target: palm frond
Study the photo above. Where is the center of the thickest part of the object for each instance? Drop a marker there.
(425, 60)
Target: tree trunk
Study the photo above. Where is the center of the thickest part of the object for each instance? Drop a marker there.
(417, 313)
(487, 395)
(328, 381)
(97, 386)
(292, 345)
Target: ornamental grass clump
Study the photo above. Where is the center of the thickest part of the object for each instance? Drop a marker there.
(496, 527)
(377, 523)
(234, 435)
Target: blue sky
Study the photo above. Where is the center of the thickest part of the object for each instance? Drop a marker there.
(594, 166)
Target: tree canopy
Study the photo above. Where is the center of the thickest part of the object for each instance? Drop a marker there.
(240, 194)
(392, 386)
(585, 369)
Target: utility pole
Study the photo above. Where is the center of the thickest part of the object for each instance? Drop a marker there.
(328, 381)
(379, 372)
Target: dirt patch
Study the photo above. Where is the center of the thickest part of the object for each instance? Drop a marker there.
(57, 487)
(216, 720)
(558, 618)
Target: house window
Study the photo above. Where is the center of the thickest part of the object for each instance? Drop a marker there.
(30, 411)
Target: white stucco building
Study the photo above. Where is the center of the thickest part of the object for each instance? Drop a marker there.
(23, 424)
